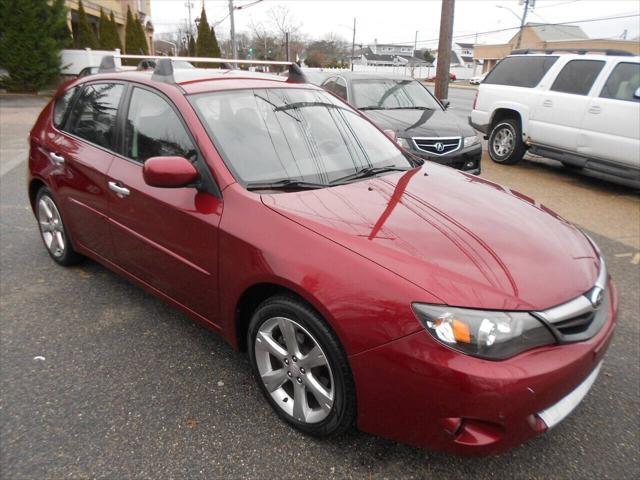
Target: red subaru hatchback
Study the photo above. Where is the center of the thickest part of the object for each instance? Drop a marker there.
(420, 303)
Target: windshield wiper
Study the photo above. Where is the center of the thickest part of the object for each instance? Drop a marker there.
(285, 184)
(368, 172)
(290, 106)
(372, 107)
(411, 108)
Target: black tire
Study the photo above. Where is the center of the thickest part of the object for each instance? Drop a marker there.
(343, 411)
(506, 155)
(65, 256)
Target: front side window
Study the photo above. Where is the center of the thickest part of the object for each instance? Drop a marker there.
(389, 94)
(577, 76)
(94, 114)
(268, 135)
(623, 82)
(62, 105)
(520, 71)
(153, 129)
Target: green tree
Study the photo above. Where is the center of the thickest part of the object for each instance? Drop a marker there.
(30, 48)
(114, 37)
(86, 38)
(103, 31)
(141, 37)
(57, 24)
(216, 47)
(206, 44)
(428, 56)
(192, 47)
(135, 42)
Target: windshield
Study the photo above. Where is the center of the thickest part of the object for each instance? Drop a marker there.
(384, 93)
(270, 135)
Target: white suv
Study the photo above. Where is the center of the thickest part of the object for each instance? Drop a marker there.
(581, 109)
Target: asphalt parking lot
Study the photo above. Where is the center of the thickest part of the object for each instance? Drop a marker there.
(101, 380)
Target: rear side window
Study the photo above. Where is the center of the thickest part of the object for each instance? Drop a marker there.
(623, 82)
(153, 129)
(520, 71)
(94, 114)
(577, 76)
(62, 105)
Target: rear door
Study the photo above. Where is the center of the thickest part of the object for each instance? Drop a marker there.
(82, 145)
(611, 126)
(166, 237)
(557, 118)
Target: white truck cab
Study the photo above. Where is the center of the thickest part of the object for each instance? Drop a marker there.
(582, 109)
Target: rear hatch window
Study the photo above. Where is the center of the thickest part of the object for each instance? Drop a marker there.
(520, 71)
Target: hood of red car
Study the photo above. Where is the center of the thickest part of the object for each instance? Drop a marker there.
(465, 240)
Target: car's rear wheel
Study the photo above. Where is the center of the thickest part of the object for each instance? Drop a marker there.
(52, 230)
(505, 142)
(301, 368)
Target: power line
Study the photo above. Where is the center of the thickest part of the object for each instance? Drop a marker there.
(517, 27)
(557, 4)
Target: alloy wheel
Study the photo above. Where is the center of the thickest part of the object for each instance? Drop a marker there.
(503, 142)
(51, 226)
(294, 370)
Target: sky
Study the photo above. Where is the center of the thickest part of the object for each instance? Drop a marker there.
(396, 21)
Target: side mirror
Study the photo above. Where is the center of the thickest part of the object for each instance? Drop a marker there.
(391, 134)
(445, 103)
(636, 94)
(169, 172)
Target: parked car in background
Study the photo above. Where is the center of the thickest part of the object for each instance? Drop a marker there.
(419, 122)
(452, 78)
(582, 109)
(415, 301)
(151, 64)
(477, 80)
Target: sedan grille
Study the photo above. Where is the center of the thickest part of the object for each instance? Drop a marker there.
(437, 145)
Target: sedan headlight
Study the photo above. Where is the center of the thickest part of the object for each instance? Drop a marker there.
(468, 141)
(487, 334)
(404, 143)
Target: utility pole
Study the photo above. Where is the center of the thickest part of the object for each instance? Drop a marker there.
(415, 44)
(286, 45)
(522, 20)
(353, 42)
(444, 49)
(234, 47)
(189, 4)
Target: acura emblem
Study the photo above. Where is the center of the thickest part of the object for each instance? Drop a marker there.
(439, 146)
(596, 297)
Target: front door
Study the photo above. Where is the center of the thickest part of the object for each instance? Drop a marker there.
(166, 237)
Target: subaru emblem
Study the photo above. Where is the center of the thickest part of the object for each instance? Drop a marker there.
(596, 297)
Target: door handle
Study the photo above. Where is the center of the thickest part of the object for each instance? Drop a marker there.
(547, 103)
(120, 190)
(595, 109)
(57, 159)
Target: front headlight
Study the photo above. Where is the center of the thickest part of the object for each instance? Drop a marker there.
(487, 334)
(404, 143)
(468, 141)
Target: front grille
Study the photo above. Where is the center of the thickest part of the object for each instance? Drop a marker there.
(582, 317)
(437, 145)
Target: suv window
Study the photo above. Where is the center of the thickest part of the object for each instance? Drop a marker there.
(94, 114)
(623, 82)
(153, 129)
(341, 88)
(61, 107)
(520, 71)
(577, 76)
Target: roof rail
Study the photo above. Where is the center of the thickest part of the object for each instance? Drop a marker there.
(163, 71)
(579, 51)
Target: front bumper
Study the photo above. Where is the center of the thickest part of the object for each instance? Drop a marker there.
(417, 391)
(467, 159)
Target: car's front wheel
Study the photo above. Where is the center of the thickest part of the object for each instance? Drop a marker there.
(301, 367)
(505, 142)
(52, 230)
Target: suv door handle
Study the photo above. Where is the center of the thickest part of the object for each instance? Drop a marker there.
(58, 159)
(595, 109)
(119, 189)
(547, 103)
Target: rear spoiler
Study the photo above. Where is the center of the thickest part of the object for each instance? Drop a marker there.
(164, 66)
